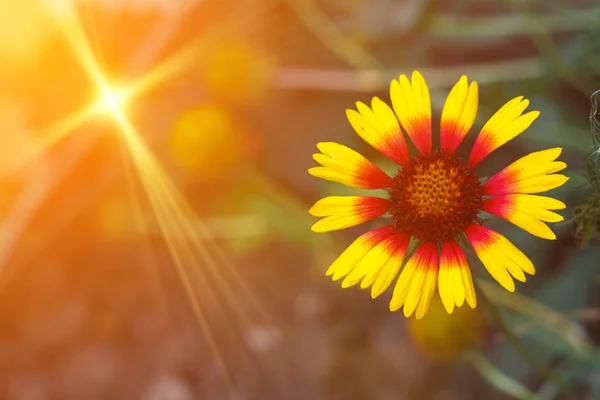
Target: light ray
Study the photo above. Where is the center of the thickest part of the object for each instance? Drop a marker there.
(112, 100)
(187, 57)
(43, 138)
(170, 221)
(199, 270)
(78, 42)
(200, 263)
(46, 136)
(147, 169)
(175, 64)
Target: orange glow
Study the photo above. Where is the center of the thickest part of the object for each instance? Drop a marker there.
(207, 274)
(238, 71)
(25, 27)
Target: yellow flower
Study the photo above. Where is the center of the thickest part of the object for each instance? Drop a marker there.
(441, 337)
(434, 198)
(207, 142)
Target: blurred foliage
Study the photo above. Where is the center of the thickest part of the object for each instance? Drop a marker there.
(587, 215)
(499, 379)
(238, 72)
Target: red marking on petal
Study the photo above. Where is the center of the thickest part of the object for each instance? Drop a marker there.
(372, 177)
(479, 234)
(499, 206)
(395, 149)
(371, 207)
(427, 255)
(482, 147)
(421, 134)
(400, 243)
(450, 137)
(452, 255)
(499, 184)
(377, 235)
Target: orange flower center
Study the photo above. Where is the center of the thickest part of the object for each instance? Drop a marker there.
(435, 197)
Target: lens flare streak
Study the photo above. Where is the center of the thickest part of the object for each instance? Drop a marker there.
(201, 264)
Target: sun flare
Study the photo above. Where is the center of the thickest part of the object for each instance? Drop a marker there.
(112, 100)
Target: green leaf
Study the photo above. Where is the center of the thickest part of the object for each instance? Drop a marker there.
(553, 322)
(498, 378)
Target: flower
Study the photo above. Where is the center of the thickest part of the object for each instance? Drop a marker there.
(435, 199)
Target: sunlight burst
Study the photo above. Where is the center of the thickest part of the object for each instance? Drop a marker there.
(207, 274)
(112, 100)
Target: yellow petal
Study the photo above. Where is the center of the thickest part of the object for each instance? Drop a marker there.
(458, 114)
(356, 251)
(529, 174)
(446, 286)
(540, 184)
(375, 259)
(455, 282)
(526, 211)
(382, 278)
(388, 273)
(499, 256)
(412, 105)
(344, 165)
(408, 289)
(427, 292)
(342, 212)
(504, 125)
(379, 128)
(403, 285)
(469, 287)
(538, 202)
(414, 292)
(531, 225)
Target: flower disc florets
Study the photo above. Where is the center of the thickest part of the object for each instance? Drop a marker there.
(435, 197)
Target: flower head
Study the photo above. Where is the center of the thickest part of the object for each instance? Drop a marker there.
(435, 198)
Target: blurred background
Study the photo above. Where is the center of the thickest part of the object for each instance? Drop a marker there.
(155, 241)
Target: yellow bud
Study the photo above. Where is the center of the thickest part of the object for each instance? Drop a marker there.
(441, 337)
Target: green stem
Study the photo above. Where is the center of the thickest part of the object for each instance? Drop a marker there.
(523, 351)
